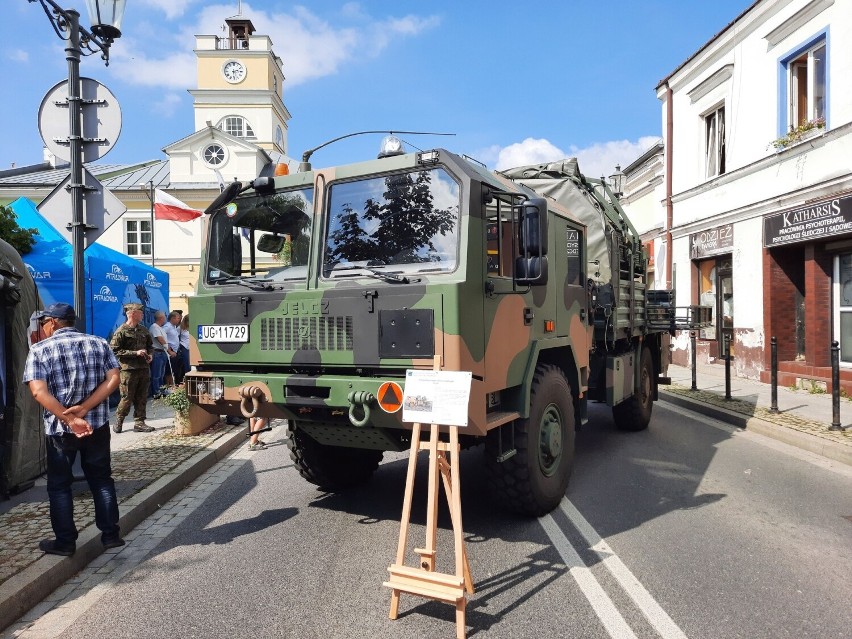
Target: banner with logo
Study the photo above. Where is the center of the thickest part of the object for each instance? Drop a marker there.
(112, 279)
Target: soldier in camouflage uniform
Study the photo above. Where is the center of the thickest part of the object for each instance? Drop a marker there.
(132, 345)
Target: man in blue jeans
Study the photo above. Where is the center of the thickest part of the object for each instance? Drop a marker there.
(72, 375)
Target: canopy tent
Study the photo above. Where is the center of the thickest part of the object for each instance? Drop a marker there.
(112, 279)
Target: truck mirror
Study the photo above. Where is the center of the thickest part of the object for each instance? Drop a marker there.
(531, 270)
(269, 243)
(225, 197)
(533, 227)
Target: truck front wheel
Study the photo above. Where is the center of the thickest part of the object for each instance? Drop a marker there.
(331, 468)
(634, 414)
(534, 480)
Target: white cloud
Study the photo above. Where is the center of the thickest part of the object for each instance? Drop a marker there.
(596, 160)
(18, 55)
(172, 8)
(309, 46)
(167, 105)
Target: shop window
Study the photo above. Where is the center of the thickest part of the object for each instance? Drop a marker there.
(716, 290)
(843, 304)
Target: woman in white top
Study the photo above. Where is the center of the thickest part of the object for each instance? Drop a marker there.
(183, 340)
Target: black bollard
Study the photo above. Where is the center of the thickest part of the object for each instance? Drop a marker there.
(694, 344)
(835, 387)
(726, 341)
(774, 380)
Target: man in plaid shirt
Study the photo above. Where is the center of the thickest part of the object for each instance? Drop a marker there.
(72, 375)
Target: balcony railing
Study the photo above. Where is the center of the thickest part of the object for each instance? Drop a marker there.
(224, 44)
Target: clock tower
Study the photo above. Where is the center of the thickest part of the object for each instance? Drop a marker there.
(240, 86)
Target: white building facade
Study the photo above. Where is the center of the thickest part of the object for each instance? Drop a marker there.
(757, 187)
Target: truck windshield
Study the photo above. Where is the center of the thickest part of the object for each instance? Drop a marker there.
(259, 240)
(406, 222)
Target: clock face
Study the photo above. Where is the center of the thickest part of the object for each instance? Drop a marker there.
(234, 71)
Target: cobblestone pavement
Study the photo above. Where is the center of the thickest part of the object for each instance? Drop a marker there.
(134, 466)
(60, 609)
(749, 407)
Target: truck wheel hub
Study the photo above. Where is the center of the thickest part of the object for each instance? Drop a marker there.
(550, 445)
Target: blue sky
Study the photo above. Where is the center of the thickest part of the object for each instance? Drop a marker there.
(516, 82)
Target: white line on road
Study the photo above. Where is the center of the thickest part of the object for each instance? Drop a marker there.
(649, 607)
(606, 611)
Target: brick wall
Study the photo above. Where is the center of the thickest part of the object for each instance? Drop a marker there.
(817, 305)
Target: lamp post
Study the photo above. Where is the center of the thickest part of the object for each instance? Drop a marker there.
(105, 16)
(616, 180)
(148, 187)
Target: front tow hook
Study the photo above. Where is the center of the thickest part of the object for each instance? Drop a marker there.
(361, 399)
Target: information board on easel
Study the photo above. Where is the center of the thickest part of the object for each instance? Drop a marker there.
(438, 398)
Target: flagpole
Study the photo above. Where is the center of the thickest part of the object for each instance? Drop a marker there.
(149, 191)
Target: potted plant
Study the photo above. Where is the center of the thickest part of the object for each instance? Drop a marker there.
(798, 134)
(177, 399)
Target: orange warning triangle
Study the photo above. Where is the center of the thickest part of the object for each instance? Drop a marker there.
(390, 396)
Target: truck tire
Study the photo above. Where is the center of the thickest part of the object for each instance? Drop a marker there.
(534, 480)
(332, 468)
(634, 414)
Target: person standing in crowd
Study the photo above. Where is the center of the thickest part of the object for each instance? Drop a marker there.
(172, 331)
(183, 351)
(256, 424)
(161, 355)
(71, 375)
(133, 347)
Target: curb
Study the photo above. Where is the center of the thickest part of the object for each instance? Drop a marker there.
(22, 591)
(811, 443)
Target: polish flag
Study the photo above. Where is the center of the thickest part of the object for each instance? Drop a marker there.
(167, 207)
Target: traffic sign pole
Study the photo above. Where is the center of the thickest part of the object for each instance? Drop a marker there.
(75, 141)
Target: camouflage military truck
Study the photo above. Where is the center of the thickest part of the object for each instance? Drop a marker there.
(317, 288)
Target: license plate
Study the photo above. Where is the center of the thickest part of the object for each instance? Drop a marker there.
(223, 333)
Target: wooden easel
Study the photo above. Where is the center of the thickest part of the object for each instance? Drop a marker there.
(423, 580)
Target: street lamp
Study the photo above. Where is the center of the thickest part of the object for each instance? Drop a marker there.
(148, 187)
(616, 181)
(105, 16)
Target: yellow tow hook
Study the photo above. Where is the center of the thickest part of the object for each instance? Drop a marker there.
(362, 399)
(252, 394)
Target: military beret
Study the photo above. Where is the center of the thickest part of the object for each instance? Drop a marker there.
(132, 307)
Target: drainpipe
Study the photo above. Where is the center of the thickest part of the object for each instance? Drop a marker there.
(669, 205)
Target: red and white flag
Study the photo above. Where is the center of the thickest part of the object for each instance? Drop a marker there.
(167, 207)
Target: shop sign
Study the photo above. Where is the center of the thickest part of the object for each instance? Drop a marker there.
(812, 222)
(713, 241)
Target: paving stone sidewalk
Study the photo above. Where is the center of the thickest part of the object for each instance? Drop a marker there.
(137, 461)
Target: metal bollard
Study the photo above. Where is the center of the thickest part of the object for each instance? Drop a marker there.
(835, 387)
(774, 372)
(694, 345)
(727, 346)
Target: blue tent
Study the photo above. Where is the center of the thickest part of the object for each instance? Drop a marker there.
(112, 279)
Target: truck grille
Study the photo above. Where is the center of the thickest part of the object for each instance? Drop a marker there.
(306, 333)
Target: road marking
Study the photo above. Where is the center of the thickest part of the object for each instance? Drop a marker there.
(606, 611)
(649, 607)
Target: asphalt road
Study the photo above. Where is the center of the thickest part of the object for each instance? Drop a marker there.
(685, 530)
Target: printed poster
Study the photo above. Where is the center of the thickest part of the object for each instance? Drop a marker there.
(436, 397)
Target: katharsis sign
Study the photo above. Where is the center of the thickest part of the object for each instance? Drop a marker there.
(812, 222)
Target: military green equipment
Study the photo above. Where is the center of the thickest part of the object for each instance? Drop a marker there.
(533, 280)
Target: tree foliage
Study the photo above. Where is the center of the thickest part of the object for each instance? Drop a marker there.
(21, 239)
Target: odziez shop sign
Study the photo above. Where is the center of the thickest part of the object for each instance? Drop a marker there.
(812, 222)
(711, 242)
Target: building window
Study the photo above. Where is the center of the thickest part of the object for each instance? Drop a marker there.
(237, 126)
(806, 81)
(137, 237)
(716, 289)
(213, 154)
(714, 142)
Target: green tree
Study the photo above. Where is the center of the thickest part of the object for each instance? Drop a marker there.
(22, 240)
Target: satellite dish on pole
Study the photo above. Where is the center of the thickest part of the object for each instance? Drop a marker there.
(101, 121)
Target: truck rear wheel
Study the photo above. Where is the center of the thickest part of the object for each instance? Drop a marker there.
(533, 481)
(332, 468)
(634, 414)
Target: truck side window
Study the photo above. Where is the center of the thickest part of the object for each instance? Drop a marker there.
(498, 238)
